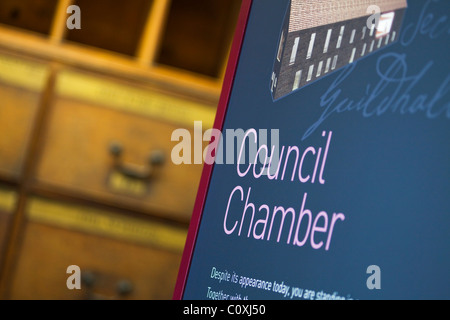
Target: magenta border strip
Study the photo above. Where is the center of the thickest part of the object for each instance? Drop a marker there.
(207, 169)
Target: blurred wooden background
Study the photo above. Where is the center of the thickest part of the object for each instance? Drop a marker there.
(86, 117)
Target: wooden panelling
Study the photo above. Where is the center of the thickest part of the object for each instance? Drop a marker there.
(79, 154)
(8, 198)
(111, 267)
(32, 15)
(5, 225)
(111, 25)
(16, 118)
(21, 83)
(197, 35)
(86, 123)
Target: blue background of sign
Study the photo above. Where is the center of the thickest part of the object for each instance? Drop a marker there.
(388, 172)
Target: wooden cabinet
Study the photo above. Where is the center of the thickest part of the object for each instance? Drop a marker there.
(120, 256)
(111, 141)
(86, 120)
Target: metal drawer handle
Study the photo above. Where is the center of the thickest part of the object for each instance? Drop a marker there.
(90, 279)
(155, 160)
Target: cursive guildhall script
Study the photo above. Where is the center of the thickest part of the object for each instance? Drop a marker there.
(393, 87)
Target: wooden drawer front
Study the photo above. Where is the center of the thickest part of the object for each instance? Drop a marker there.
(8, 199)
(21, 82)
(80, 153)
(119, 257)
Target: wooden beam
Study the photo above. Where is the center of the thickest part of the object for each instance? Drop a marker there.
(153, 31)
(106, 62)
(59, 27)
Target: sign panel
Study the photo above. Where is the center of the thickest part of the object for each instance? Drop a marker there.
(332, 176)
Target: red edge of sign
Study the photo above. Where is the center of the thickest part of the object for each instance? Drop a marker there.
(207, 169)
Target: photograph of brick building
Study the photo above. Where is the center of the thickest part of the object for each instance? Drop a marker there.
(319, 37)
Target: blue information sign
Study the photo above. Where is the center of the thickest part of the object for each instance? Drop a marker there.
(332, 176)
